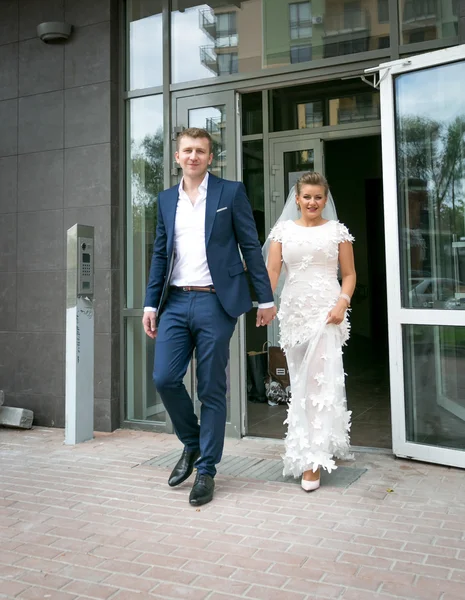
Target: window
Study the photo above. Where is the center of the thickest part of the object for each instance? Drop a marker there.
(383, 11)
(227, 63)
(419, 9)
(428, 20)
(416, 37)
(310, 114)
(352, 15)
(301, 54)
(354, 109)
(145, 43)
(265, 34)
(384, 42)
(252, 109)
(145, 181)
(300, 19)
(226, 24)
(226, 30)
(348, 47)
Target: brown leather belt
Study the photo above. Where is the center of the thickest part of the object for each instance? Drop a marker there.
(193, 288)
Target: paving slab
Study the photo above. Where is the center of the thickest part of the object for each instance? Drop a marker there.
(98, 521)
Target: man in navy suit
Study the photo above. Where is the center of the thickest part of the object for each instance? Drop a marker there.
(197, 289)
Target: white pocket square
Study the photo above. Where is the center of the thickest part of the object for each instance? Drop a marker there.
(220, 209)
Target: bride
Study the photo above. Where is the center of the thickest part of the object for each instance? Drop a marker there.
(310, 243)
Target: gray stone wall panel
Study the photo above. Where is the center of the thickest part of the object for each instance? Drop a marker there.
(41, 301)
(8, 184)
(40, 181)
(104, 411)
(87, 176)
(87, 55)
(7, 302)
(8, 364)
(87, 115)
(40, 364)
(9, 22)
(41, 67)
(102, 371)
(49, 410)
(8, 71)
(8, 127)
(40, 197)
(87, 12)
(8, 242)
(41, 241)
(41, 122)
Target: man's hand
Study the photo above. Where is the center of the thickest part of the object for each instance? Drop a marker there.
(149, 323)
(265, 315)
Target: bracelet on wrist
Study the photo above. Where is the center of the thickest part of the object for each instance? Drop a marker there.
(346, 297)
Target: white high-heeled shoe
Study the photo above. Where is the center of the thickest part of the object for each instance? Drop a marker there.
(310, 486)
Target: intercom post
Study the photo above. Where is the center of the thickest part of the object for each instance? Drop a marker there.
(79, 417)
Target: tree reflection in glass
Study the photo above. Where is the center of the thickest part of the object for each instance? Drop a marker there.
(431, 178)
(146, 181)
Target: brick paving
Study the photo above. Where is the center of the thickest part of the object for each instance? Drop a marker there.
(93, 521)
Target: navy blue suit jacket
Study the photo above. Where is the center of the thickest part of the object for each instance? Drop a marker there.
(224, 232)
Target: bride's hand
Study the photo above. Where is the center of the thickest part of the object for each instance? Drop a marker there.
(336, 314)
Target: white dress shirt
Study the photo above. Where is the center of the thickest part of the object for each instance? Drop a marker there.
(190, 254)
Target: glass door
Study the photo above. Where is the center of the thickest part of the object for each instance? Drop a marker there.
(423, 138)
(290, 158)
(215, 113)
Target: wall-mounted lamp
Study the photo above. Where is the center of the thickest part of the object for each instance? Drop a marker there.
(54, 31)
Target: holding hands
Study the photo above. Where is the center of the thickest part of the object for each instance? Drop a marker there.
(265, 315)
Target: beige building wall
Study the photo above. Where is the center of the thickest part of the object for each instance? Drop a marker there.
(250, 32)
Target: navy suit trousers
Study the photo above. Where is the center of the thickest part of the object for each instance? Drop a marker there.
(195, 320)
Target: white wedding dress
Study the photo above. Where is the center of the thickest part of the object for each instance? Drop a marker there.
(318, 419)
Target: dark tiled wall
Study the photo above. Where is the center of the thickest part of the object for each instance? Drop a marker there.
(57, 167)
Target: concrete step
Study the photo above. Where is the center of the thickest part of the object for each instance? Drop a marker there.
(14, 417)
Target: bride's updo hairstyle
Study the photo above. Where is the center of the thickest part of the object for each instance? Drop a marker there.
(312, 178)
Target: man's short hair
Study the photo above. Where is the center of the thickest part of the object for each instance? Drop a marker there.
(196, 133)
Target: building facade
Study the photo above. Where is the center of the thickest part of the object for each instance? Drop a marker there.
(87, 134)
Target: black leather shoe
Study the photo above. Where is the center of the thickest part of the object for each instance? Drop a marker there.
(202, 490)
(184, 467)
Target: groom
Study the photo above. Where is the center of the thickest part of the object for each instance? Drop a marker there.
(197, 289)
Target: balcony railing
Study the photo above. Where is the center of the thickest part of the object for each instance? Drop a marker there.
(207, 21)
(226, 40)
(223, 36)
(314, 120)
(214, 125)
(209, 58)
(360, 113)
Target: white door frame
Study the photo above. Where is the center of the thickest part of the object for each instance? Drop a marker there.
(397, 315)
